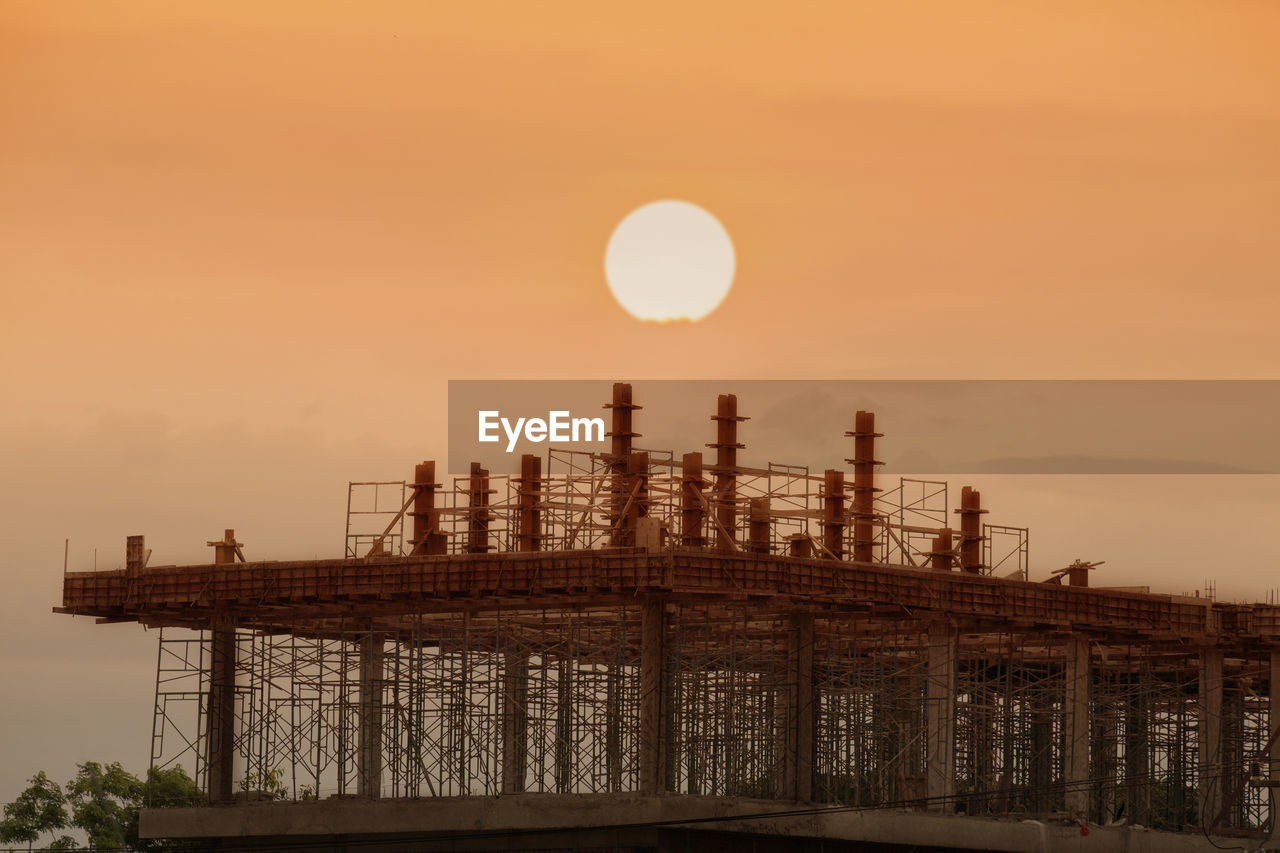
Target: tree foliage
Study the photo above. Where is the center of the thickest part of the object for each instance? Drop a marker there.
(172, 787)
(39, 809)
(104, 801)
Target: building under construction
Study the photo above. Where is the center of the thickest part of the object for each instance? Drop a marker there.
(636, 649)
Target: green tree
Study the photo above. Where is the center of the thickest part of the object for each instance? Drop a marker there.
(172, 787)
(166, 788)
(104, 803)
(270, 784)
(39, 809)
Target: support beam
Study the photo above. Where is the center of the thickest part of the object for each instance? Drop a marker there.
(515, 720)
(1273, 724)
(652, 741)
(940, 710)
(221, 734)
(802, 638)
(220, 743)
(373, 678)
(1209, 791)
(564, 727)
(670, 711)
(784, 724)
(1137, 751)
(1273, 717)
(1044, 713)
(191, 596)
(1075, 765)
(1231, 809)
(613, 723)
(985, 743)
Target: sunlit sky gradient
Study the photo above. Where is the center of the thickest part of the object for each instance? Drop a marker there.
(244, 245)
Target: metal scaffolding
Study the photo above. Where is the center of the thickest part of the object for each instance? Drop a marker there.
(642, 621)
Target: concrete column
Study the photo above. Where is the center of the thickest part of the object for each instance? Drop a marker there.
(833, 515)
(1137, 756)
(373, 676)
(758, 526)
(941, 558)
(1273, 713)
(804, 740)
(970, 513)
(984, 744)
(1209, 792)
(564, 727)
(620, 435)
(1273, 723)
(1232, 760)
(785, 728)
(530, 517)
(940, 710)
(613, 727)
(1075, 705)
(670, 716)
(220, 743)
(693, 512)
(727, 447)
(1041, 762)
(885, 755)
(479, 514)
(515, 721)
(427, 536)
(799, 546)
(652, 742)
(864, 486)
(1105, 760)
(135, 559)
(221, 733)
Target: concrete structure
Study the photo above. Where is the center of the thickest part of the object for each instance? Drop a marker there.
(627, 821)
(640, 646)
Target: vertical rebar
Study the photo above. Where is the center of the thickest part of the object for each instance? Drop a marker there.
(833, 518)
(864, 464)
(621, 435)
(427, 536)
(726, 492)
(970, 513)
(530, 521)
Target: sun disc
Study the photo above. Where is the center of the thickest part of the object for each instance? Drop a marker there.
(670, 260)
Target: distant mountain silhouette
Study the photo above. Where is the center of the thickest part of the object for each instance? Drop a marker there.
(1075, 464)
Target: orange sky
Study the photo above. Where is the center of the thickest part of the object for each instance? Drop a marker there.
(244, 245)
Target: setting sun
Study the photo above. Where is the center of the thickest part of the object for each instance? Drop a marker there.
(670, 260)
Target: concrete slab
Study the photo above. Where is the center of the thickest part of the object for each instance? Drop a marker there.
(583, 820)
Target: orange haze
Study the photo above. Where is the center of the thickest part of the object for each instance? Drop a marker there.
(244, 245)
